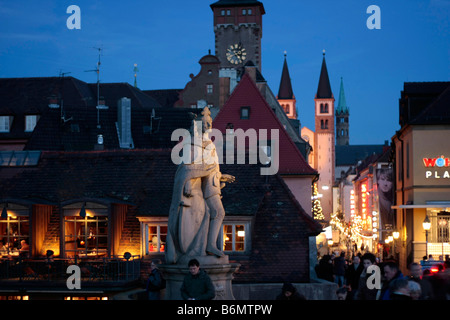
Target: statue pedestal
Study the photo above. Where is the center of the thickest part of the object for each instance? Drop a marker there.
(219, 270)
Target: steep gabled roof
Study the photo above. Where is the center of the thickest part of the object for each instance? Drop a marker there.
(324, 88)
(285, 91)
(246, 94)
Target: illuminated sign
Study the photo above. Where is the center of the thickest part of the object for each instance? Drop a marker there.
(439, 162)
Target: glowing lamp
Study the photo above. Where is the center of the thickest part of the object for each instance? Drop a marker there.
(426, 224)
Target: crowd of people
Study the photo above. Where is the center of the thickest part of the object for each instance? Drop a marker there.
(356, 281)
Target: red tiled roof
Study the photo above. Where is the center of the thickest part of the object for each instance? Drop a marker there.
(261, 117)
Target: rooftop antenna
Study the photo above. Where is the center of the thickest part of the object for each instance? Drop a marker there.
(63, 115)
(99, 107)
(135, 74)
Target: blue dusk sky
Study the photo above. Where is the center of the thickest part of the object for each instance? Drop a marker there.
(167, 39)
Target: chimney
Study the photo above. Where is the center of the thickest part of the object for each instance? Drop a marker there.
(123, 123)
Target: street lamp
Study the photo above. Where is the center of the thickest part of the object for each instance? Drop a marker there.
(426, 226)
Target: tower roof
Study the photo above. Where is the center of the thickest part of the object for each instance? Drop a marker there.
(285, 90)
(237, 3)
(342, 104)
(324, 89)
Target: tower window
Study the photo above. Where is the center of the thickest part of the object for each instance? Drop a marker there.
(209, 88)
(249, 11)
(244, 12)
(222, 12)
(228, 12)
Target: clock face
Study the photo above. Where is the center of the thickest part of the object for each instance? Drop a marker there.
(236, 54)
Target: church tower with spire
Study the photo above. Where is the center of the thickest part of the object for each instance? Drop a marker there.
(286, 97)
(342, 124)
(324, 144)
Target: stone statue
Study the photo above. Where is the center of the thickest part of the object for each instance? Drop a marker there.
(196, 212)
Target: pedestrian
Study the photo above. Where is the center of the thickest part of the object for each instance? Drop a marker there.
(289, 292)
(197, 284)
(364, 292)
(415, 292)
(399, 289)
(324, 270)
(155, 282)
(353, 275)
(339, 267)
(416, 275)
(391, 273)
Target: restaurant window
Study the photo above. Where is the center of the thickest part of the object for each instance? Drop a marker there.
(15, 230)
(156, 237)
(235, 237)
(86, 236)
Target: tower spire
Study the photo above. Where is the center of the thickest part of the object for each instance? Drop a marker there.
(324, 88)
(342, 103)
(285, 91)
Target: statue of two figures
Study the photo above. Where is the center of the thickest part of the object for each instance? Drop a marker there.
(196, 212)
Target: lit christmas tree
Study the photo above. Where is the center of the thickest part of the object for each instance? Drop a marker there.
(316, 206)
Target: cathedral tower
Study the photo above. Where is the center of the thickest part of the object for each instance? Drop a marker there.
(324, 144)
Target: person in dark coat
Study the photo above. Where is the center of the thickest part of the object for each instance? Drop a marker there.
(324, 270)
(391, 273)
(353, 275)
(289, 292)
(416, 275)
(363, 292)
(155, 281)
(399, 290)
(339, 268)
(197, 284)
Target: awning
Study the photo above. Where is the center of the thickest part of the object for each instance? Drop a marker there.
(422, 206)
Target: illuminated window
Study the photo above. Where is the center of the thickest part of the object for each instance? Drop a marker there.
(86, 236)
(15, 230)
(156, 235)
(234, 237)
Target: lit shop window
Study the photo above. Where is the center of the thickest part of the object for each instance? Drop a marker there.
(14, 230)
(157, 235)
(234, 236)
(86, 231)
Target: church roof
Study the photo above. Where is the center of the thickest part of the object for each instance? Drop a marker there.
(342, 103)
(285, 91)
(324, 89)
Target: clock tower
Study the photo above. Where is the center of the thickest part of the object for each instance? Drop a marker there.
(238, 32)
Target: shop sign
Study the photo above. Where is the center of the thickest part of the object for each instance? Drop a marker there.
(439, 162)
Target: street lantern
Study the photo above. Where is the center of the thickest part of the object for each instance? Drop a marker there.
(426, 226)
(396, 234)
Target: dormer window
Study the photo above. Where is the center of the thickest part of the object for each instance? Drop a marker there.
(30, 122)
(245, 112)
(5, 123)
